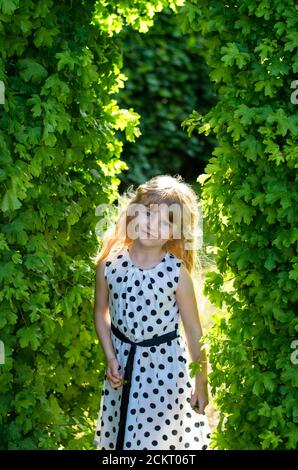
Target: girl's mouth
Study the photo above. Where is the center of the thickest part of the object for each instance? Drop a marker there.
(149, 234)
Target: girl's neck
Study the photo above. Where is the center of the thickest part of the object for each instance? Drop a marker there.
(145, 256)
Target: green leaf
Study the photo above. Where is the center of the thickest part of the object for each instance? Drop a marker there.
(29, 336)
(233, 55)
(8, 6)
(269, 440)
(30, 70)
(45, 36)
(10, 201)
(268, 380)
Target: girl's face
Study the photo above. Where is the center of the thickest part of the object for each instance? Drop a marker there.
(154, 223)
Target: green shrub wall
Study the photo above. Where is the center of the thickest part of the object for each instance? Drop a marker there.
(250, 203)
(60, 64)
(165, 68)
(60, 157)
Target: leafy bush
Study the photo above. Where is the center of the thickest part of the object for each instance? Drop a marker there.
(250, 203)
(167, 78)
(59, 160)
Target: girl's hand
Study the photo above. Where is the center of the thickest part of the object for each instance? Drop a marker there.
(199, 397)
(114, 376)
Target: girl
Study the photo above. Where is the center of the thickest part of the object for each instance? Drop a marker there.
(143, 289)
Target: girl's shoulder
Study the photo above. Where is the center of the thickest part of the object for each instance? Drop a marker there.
(178, 262)
(175, 266)
(113, 259)
(173, 269)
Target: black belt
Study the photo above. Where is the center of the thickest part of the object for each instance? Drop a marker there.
(128, 372)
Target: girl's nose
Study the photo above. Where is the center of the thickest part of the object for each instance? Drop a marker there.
(153, 223)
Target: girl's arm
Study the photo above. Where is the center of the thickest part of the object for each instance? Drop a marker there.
(102, 320)
(187, 303)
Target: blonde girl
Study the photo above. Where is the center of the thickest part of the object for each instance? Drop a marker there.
(144, 288)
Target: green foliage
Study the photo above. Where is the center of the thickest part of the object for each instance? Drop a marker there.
(60, 158)
(165, 69)
(250, 202)
(139, 14)
(195, 368)
(60, 63)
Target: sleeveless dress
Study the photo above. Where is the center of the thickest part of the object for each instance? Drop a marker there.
(142, 304)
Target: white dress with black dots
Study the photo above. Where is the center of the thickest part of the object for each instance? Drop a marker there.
(142, 303)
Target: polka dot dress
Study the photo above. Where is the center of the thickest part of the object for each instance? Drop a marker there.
(142, 304)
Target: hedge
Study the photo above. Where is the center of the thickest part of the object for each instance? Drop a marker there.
(166, 68)
(250, 200)
(60, 159)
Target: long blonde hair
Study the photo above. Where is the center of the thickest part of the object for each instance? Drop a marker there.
(164, 189)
